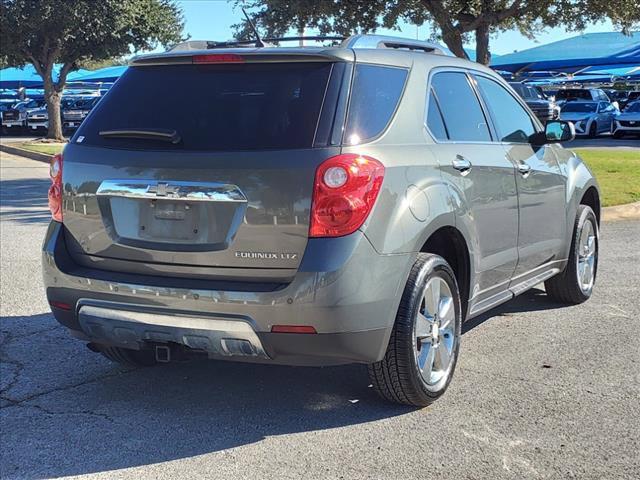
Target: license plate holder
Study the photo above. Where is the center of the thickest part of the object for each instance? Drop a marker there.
(164, 220)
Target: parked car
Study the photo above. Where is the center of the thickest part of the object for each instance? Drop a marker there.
(537, 101)
(628, 122)
(631, 97)
(15, 117)
(38, 119)
(73, 115)
(6, 104)
(582, 94)
(590, 118)
(314, 207)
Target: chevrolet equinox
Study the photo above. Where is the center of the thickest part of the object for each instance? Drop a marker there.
(314, 206)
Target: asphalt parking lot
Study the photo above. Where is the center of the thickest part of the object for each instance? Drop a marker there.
(541, 390)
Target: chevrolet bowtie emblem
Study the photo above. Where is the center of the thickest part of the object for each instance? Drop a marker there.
(163, 189)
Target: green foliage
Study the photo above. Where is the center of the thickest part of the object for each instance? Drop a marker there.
(70, 32)
(454, 21)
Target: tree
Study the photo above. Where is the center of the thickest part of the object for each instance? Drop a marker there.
(455, 21)
(69, 32)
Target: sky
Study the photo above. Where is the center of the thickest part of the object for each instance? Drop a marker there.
(212, 20)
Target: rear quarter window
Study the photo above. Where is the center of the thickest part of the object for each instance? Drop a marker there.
(376, 91)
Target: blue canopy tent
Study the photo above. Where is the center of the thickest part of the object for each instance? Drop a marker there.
(598, 51)
(104, 75)
(26, 76)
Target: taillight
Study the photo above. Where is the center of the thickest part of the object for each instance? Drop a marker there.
(218, 58)
(345, 189)
(55, 190)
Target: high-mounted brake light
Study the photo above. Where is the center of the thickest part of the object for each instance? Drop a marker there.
(218, 58)
(345, 190)
(55, 190)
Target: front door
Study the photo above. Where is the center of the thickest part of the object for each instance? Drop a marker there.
(483, 181)
(540, 183)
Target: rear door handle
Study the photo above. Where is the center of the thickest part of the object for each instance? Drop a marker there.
(461, 164)
(524, 169)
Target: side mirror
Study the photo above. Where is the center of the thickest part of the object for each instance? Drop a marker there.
(559, 131)
(554, 131)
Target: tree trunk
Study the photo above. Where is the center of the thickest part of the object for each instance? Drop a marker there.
(483, 55)
(52, 97)
(453, 40)
(451, 35)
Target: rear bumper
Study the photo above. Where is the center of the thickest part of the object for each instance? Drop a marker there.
(13, 123)
(35, 124)
(344, 289)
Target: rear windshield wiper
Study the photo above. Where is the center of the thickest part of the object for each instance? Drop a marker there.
(143, 133)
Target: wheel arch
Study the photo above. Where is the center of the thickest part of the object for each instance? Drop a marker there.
(591, 198)
(450, 244)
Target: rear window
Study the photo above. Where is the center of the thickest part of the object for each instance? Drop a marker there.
(573, 94)
(375, 95)
(214, 107)
(580, 107)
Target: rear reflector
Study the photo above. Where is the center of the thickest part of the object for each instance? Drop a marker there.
(60, 305)
(293, 329)
(218, 58)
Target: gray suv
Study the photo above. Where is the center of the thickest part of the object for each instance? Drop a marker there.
(315, 206)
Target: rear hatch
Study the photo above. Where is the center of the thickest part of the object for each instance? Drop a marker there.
(202, 170)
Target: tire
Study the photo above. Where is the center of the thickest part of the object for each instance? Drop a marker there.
(398, 377)
(128, 357)
(593, 130)
(567, 287)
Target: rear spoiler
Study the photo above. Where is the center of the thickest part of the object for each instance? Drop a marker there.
(245, 55)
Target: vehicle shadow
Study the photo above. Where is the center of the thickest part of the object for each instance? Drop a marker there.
(25, 200)
(68, 411)
(83, 414)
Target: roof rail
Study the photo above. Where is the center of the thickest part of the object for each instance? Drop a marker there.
(382, 41)
(208, 44)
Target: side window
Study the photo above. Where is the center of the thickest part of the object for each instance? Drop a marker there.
(511, 120)
(434, 118)
(461, 111)
(376, 92)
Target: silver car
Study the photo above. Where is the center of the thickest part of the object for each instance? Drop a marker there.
(627, 122)
(590, 118)
(316, 206)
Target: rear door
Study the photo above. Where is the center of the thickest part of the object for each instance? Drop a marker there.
(541, 184)
(481, 175)
(225, 194)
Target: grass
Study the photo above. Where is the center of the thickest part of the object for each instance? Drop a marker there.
(617, 172)
(47, 148)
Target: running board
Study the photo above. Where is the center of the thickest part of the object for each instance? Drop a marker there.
(512, 292)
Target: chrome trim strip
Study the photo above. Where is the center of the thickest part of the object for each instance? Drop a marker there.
(173, 190)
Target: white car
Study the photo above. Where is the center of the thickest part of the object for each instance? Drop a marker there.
(628, 122)
(589, 118)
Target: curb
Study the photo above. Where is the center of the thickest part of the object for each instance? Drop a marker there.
(40, 157)
(629, 211)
